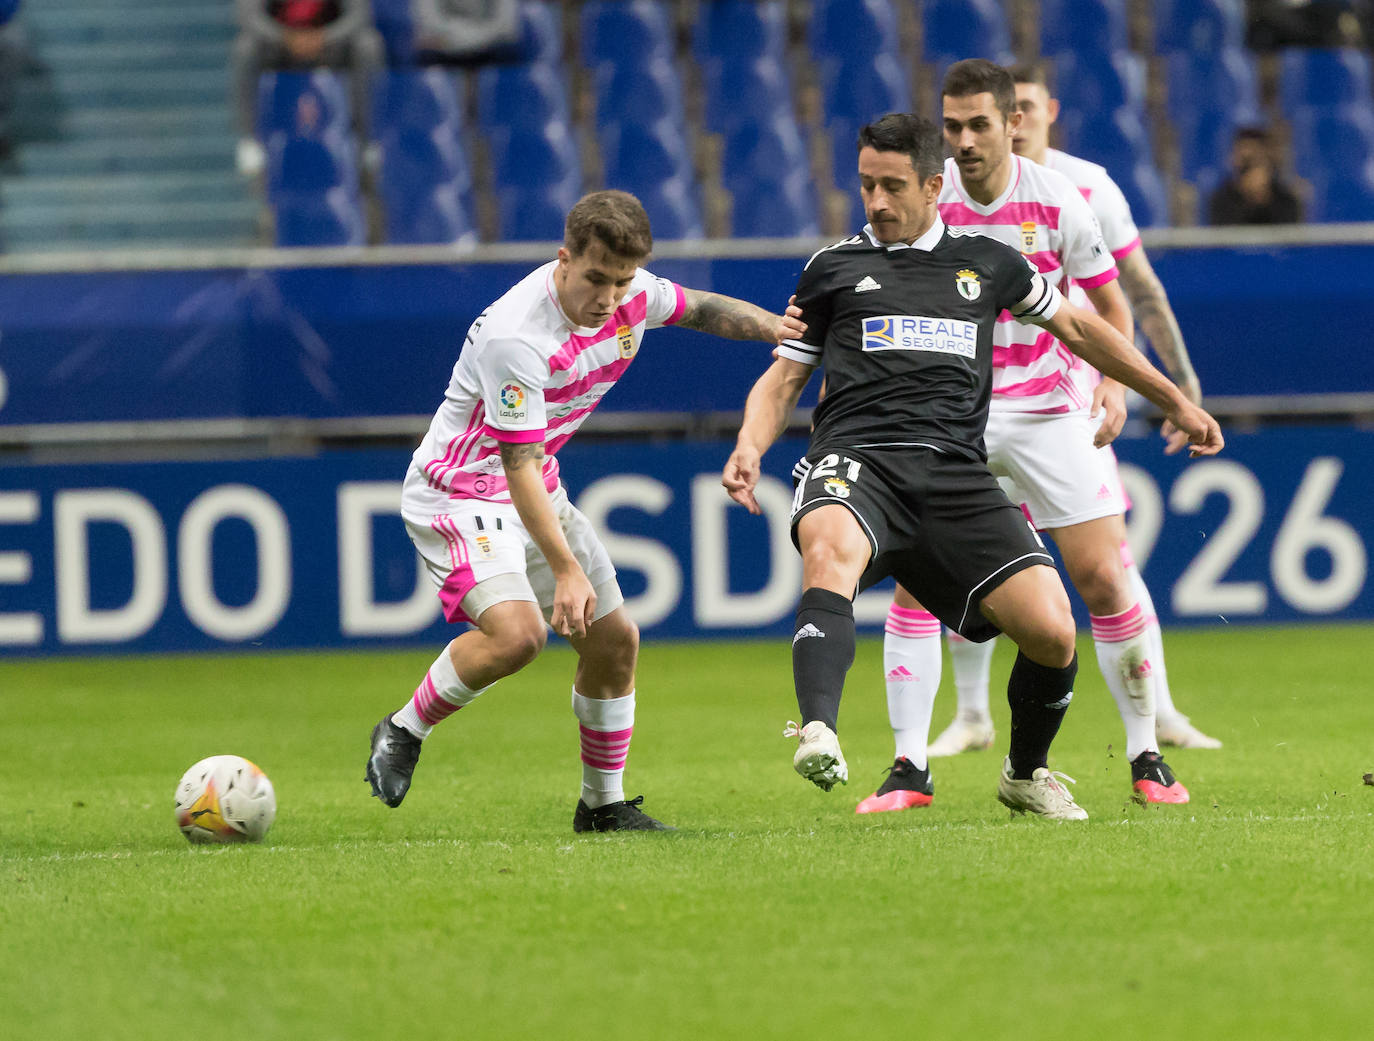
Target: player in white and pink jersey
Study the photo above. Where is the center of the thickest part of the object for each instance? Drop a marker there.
(482, 501)
(1050, 417)
(972, 723)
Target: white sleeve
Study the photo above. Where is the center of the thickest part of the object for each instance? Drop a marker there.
(664, 300)
(1113, 214)
(1086, 257)
(511, 375)
(1040, 305)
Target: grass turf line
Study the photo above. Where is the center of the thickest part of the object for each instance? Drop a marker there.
(474, 911)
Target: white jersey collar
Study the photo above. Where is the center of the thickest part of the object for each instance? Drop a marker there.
(926, 242)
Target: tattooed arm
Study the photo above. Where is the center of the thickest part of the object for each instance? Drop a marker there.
(735, 319)
(573, 600)
(1157, 321)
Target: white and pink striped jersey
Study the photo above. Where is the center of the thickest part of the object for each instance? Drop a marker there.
(526, 374)
(1109, 206)
(1042, 214)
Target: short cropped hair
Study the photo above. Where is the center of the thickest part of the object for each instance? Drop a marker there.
(980, 76)
(616, 219)
(918, 137)
(1036, 72)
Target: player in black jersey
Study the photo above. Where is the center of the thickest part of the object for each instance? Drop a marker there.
(895, 480)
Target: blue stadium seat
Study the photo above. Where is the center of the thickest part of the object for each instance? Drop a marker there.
(1211, 95)
(639, 32)
(740, 30)
(859, 90)
(1316, 76)
(534, 213)
(1343, 195)
(314, 163)
(1199, 26)
(638, 93)
(1082, 26)
(332, 218)
(746, 90)
(776, 209)
(673, 207)
(1095, 82)
(397, 28)
(638, 155)
(1330, 142)
(436, 215)
(955, 29)
(524, 96)
(1145, 192)
(546, 157)
(416, 97)
(302, 102)
(416, 160)
(1118, 140)
(763, 153)
(852, 28)
(541, 31)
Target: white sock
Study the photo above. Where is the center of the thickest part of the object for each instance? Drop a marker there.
(604, 727)
(440, 694)
(1123, 654)
(972, 666)
(1164, 702)
(911, 665)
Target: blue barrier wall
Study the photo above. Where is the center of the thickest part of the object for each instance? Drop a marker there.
(355, 341)
(310, 552)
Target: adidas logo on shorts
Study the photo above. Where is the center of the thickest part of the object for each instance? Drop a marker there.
(807, 630)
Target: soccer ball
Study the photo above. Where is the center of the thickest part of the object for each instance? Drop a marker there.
(225, 798)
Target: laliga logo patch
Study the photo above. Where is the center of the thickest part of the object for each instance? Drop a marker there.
(967, 283)
(627, 342)
(1029, 236)
(513, 407)
(836, 487)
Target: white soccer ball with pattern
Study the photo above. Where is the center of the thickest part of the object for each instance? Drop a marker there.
(225, 798)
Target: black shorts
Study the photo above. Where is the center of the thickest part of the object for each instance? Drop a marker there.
(938, 524)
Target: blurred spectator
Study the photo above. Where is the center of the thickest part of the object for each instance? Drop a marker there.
(466, 30)
(1308, 23)
(302, 34)
(1254, 193)
(12, 52)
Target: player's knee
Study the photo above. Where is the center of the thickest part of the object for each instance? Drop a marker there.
(1101, 583)
(520, 643)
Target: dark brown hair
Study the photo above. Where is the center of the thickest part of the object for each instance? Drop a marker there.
(980, 76)
(614, 218)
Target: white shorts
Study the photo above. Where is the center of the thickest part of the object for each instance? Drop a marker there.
(479, 554)
(1060, 478)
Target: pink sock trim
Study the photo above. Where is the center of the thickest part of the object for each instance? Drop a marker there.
(430, 705)
(911, 622)
(1118, 628)
(605, 749)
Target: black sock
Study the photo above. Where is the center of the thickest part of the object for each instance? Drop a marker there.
(822, 651)
(1039, 696)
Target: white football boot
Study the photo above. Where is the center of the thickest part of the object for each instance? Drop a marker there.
(1043, 795)
(818, 757)
(964, 734)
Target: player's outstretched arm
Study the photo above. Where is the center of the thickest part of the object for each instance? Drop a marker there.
(1151, 306)
(574, 602)
(1101, 346)
(765, 417)
(738, 319)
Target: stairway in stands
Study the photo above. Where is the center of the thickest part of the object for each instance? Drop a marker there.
(123, 130)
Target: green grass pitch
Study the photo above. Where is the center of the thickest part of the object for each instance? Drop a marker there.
(474, 912)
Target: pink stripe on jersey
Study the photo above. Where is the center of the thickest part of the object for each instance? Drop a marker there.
(911, 622)
(494, 486)
(631, 312)
(1011, 213)
(1118, 628)
(1019, 354)
(1044, 261)
(606, 374)
(1130, 247)
(605, 749)
(1030, 388)
(1097, 280)
(681, 305)
(436, 469)
(514, 437)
